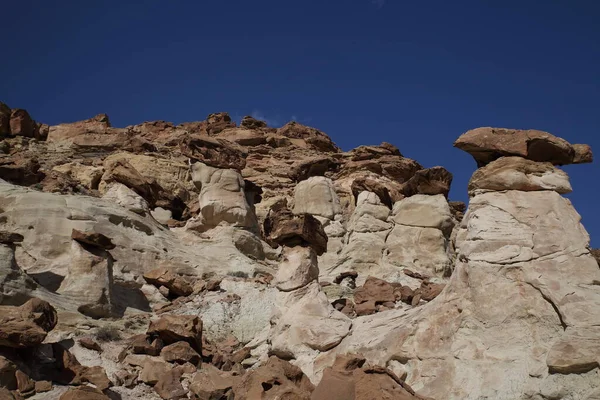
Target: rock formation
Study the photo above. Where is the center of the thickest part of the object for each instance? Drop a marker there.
(208, 260)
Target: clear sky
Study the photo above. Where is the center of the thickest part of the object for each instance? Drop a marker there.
(413, 73)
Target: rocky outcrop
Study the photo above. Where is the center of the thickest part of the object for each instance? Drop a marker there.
(516, 173)
(222, 199)
(173, 266)
(489, 144)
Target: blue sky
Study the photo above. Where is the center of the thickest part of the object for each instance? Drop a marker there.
(413, 73)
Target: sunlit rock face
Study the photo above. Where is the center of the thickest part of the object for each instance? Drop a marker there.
(212, 260)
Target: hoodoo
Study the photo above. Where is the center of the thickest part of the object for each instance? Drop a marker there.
(207, 260)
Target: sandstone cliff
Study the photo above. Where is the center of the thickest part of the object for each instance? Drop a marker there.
(208, 260)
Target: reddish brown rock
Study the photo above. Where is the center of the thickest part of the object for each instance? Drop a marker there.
(66, 369)
(21, 123)
(365, 308)
(217, 122)
(20, 170)
(153, 369)
(252, 123)
(57, 182)
(4, 119)
(217, 153)
(362, 184)
(385, 160)
(283, 227)
(27, 325)
(430, 291)
(100, 142)
(98, 124)
(8, 370)
(169, 386)
(376, 290)
(210, 383)
(430, 181)
(145, 344)
(25, 385)
(315, 166)
(311, 136)
(180, 353)
(168, 278)
(93, 239)
(404, 293)
(83, 393)
(174, 328)
(276, 379)
(350, 379)
(489, 144)
(43, 386)
(90, 344)
(583, 154)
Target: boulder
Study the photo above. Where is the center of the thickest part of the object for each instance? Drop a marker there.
(89, 279)
(21, 124)
(276, 379)
(489, 144)
(144, 344)
(121, 171)
(92, 239)
(316, 196)
(27, 325)
(430, 181)
(153, 369)
(169, 386)
(424, 211)
(211, 383)
(126, 198)
(284, 228)
(180, 353)
(252, 123)
(174, 328)
(168, 278)
(222, 198)
(217, 122)
(376, 290)
(306, 323)
(516, 173)
(351, 379)
(8, 370)
(25, 385)
(299, 267)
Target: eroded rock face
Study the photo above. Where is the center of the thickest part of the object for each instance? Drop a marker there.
(316, 196)
(489, 144)
(516, 173)
(222, 198)
(526, 282)
(148, 242)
